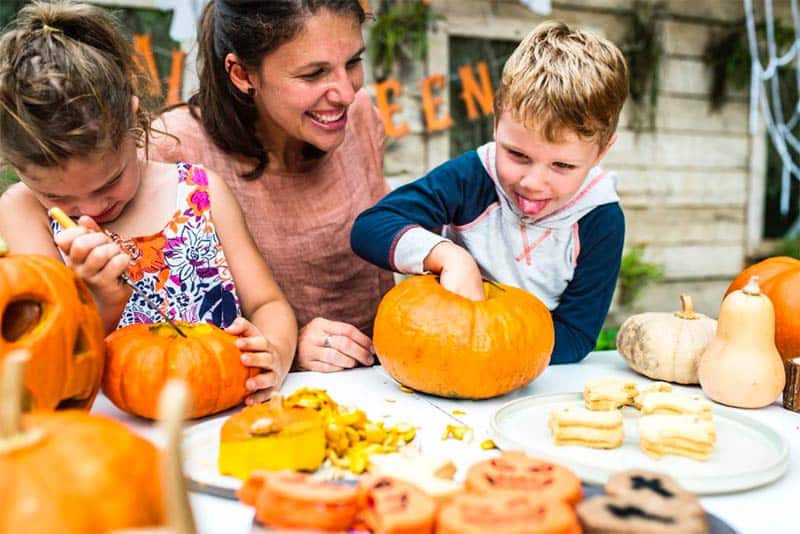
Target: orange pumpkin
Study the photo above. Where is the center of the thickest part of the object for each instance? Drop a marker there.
(435, 341)
(47, 309)
(142, 357)
(70, 472)
(779, 279)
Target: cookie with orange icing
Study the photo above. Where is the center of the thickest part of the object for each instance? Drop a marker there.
(288, 499)
(391, 506)
(509, 513)
(516, 472)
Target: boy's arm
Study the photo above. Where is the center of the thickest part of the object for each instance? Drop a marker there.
(580, 314)
(399, 232)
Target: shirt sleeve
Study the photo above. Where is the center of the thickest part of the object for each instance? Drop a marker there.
(583, 307)
(400, 230)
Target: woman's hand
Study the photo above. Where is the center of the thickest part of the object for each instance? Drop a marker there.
(330, 346)
(257, 351)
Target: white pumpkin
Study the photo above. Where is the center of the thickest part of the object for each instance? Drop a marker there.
(666, 346)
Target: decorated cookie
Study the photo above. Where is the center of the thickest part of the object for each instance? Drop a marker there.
(297, 500)
(618, 515)
(609, 393)
(506, 513)
(432, 475)
(515, 472)
(391, 506)
(644, 391)
(675, 403)
(683, 435)
(651, 489)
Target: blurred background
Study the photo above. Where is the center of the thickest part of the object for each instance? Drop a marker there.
(703, 186)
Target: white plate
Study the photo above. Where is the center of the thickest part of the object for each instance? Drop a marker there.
(747, 453)
(200, 454)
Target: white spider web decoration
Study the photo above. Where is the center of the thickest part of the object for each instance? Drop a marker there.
(765, 94)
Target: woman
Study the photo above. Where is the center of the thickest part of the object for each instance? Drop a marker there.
(281, 116)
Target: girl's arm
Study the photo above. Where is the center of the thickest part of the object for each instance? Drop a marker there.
(272, 347)
(91, 254)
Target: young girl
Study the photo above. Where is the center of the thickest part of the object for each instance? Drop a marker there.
(71, 126)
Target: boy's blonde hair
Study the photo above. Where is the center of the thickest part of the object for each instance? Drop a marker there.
(559, 80)
(67, 79)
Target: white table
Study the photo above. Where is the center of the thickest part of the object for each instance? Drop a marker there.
(762, 510)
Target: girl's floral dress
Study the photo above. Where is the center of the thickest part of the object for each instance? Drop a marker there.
(182, 268)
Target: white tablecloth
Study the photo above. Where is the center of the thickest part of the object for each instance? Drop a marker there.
(767, 509)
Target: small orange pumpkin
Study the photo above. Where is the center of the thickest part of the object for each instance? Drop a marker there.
(141, 358)
(47, 309)
(71, 472)
(435, 341)
(779, 279)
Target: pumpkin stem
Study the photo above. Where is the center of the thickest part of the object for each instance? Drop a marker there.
(687, 308)
(172, 409)
(12, 437)
(3, 247)
(752, 287)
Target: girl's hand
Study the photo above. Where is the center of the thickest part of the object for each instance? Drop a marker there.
(95, 258)
(330, 346)
(257, 351)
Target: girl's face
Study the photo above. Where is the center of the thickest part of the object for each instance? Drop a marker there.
(540, 177)
(100, 185)
(305, 86)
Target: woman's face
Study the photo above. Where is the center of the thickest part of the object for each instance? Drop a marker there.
(305, 86)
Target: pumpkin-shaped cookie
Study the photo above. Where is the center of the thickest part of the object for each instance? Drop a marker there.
(391, 506)
(297, 500)
(46, 309)
(435, 341)
(507, 513)
(516, 473)
(142, 357)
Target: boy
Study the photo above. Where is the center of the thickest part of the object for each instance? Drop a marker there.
(531, 209)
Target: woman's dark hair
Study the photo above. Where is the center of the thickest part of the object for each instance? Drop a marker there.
(251, 29)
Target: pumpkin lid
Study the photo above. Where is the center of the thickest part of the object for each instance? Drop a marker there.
(262, 420)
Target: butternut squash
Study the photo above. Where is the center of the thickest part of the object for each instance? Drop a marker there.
(741, 366)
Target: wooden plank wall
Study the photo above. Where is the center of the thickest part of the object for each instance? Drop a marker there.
(685, 186)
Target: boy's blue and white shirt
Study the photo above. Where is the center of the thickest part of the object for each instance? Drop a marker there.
(569, 259)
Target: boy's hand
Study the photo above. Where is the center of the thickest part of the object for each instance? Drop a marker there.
(457, 270)
(257, 351)
(329, 346)
(95, 258)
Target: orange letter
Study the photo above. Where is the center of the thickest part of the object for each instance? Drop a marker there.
(470, 90)
(147, 62)
(382, 91)
(431, 103)
(175, 77)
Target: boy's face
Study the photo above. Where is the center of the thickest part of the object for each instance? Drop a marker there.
(540, 177)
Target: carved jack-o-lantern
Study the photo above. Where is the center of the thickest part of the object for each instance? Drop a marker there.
(391, 505)
(46, 308)
(515, 472)
(469, 513)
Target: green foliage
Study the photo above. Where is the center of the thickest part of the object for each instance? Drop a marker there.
(789, 247)
(607, 340)
(635, 274)
(7, 177)
(400, 31)
(643, 51)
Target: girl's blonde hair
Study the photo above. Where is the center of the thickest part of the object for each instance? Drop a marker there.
(560, 80)
(67, 79)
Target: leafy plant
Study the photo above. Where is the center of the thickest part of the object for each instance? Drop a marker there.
(400, 31)
(789, 247)
(607, 340)
(635, 274)
(643, 51)
(7, 177)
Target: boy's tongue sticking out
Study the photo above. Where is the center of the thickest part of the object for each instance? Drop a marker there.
(530, 206)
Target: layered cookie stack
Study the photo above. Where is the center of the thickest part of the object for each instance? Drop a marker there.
(609, 394)
(642, 501)
(575, 425)
(683, 435)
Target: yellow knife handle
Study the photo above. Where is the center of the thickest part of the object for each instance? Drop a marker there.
(61, 218)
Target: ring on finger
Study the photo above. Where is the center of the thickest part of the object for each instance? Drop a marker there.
(327, 342)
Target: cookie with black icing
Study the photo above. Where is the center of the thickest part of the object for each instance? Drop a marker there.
(650, 489)
(615, 514)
